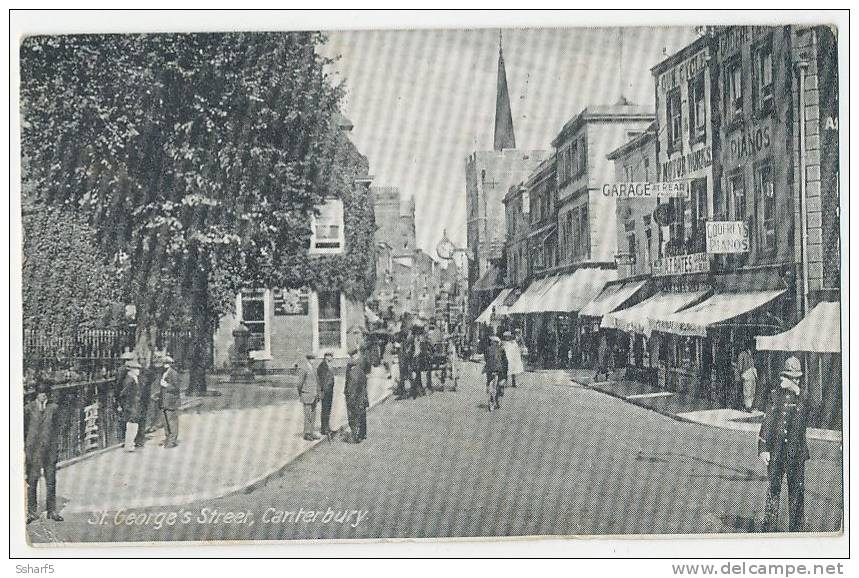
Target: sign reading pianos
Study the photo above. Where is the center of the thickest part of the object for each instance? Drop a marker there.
(727, 237)
(681, 265)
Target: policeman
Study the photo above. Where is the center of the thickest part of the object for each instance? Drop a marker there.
(783, 447)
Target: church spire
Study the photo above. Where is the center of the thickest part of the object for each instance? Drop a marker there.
(504, 137)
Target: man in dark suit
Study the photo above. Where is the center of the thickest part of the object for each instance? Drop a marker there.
(357, 400)
(170, 399)
(41, 449)
(783, 447)
(325, 377)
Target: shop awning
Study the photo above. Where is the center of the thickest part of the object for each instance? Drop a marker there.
(715, 310)
(818, 332)
(612, 297)
(529, 301)
(572, 291)
(497, 306)
(488, 281)
(639, 318)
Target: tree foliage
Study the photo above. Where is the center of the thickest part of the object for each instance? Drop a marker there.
(200, 156)
(69, 283)
(185, 151)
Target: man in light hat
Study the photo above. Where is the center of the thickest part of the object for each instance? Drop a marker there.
(310, 392)
(129, 397)
(783, 447)
(169, 400)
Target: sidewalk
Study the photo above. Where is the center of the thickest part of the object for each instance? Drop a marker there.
(683, 407)
(224, 448)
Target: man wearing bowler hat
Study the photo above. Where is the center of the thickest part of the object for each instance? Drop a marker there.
(783, 447)
(41, 449)
(357, 400)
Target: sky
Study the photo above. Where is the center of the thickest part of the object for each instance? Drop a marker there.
(421, 101)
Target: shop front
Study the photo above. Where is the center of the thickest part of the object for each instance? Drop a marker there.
(648, 355)
(614, 296)
(711, 337)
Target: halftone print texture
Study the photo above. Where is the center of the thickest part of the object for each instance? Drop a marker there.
(630, 228)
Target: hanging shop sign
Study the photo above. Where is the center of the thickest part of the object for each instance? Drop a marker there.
(727, 237)
(681, 265)
(635, 190)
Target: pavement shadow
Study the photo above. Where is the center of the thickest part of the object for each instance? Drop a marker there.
(741, 523)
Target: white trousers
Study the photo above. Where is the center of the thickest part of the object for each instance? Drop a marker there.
(130, 434)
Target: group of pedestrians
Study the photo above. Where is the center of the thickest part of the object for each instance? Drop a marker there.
(138, 393)
(316, 384)
(502, 363)
(161, 388)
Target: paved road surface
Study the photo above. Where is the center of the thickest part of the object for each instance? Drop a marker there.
(555, 460)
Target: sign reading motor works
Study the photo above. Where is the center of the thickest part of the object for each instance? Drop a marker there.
(681, 265)
(727, 237)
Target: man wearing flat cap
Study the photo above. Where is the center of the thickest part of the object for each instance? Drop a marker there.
(41, 449)
(357, 400)
(783, 447)
(169, 400)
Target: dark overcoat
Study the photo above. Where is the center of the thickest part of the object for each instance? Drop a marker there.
(41, 435)
(782, 432)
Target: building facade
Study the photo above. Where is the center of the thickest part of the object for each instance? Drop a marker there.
(586, 216)
(328, 313)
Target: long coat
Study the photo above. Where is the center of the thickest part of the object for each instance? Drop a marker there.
(325, 377)
(514, 358)
(170, 391)
(130, 398)
(41, 434)
(493, 358)
(356, 387)
(782, 432)
(309, 389)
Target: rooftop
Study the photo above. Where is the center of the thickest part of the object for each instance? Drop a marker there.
(604, 113)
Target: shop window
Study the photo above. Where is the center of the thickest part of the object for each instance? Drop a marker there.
(329, 321)
(581, 157)
(675, 120)
(697, 110)
(765, 201)
(734, 90)
(737, 190)
(252, 303)
(687, 352)
(763, 77)
(697, 236)
(327, 228)
(677, 228)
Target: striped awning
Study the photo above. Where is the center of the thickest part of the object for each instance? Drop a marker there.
(611, 298)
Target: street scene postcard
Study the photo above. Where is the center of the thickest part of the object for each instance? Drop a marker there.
(433, 283)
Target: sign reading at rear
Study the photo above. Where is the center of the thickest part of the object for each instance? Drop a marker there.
(727, 237)
(661, 190)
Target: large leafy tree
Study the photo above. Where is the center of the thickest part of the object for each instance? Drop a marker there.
(198, 155)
